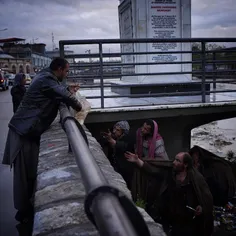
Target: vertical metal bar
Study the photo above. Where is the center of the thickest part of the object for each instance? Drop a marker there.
(203, 44)
(62, 54)
(214, 68)
(74, 67)
(101, 75)
(61, 48)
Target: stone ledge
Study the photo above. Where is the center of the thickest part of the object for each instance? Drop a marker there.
(59, 196)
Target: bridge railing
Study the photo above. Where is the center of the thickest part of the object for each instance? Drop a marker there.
(203, 62)
(106, 207)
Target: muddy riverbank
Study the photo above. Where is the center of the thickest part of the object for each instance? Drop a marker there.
(218, 137)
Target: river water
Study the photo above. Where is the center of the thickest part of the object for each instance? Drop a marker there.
(218, 137)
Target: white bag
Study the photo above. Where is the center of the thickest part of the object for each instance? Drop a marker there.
(86, 107)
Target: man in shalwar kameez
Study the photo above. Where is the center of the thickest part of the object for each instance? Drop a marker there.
(35, 114)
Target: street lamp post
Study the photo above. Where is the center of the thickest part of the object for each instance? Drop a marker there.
(31, 54)
(34, 39)
(89, 51)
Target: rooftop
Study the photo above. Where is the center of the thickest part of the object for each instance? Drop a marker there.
(11, 40)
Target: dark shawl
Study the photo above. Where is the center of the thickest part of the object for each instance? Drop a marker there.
(154, 179)
(17, 92)
(218, 170)
(146, 187)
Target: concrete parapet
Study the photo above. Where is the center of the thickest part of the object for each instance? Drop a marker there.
(59, 196)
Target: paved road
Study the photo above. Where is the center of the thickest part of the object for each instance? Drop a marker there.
(7, 211)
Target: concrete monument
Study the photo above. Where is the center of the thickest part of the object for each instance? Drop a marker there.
(162, 19)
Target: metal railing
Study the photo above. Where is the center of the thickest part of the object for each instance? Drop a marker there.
(98, 72)
(106, 207)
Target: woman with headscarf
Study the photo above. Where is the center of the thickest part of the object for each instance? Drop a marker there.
(121, 142)
(18, 90)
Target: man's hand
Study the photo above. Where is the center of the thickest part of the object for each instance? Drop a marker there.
(108, 137)
(74, 88)
(131, 157)
(78, 107)
(198, 210)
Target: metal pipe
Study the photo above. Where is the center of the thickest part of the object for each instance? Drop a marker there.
(94, 64)
(61, 48)
(215, 70)
(119, 54)
(109, 216)
(146, 74)
(147, 40)
(136, 64)
(109, 85)
(101, 75)
(203, 72)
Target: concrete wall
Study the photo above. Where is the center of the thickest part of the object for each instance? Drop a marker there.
(60, 192)
(175, 121)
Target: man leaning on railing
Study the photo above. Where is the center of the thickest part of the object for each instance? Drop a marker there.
(35, 114)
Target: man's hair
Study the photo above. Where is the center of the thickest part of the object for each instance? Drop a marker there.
(58, 63)
(187, 159)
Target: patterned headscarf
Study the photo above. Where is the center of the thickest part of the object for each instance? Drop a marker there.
(151, 142)
(124, 125)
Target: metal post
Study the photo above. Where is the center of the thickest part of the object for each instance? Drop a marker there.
(203, 44)
(62, 54)
(74, 62)
(214, 69)
(101, 75)
(109, 216)
(61, 48)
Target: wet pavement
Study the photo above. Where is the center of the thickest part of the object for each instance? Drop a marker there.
(7, 211)
(115, 100)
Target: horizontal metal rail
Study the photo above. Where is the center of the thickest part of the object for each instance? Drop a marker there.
(106, 55)
(109, 85)
(146, 74)
(168, 94)
(205, 64)
(109, 216)
(146, 40)
(90, 65)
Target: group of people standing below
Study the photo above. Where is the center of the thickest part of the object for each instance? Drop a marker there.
(174, 192)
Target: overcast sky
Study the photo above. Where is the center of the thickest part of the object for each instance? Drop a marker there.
(91, 19)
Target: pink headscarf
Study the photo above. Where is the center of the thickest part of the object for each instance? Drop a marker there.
(151, 142)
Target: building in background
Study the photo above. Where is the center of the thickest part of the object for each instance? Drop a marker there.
(56, 53)
(25, 58)
(13, 65)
